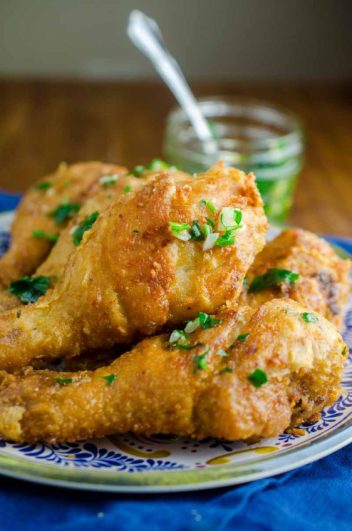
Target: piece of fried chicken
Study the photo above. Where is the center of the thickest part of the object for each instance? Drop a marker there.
(283, 373)
(323, 284)
(53, 266)
(69, 184)
(131, 274)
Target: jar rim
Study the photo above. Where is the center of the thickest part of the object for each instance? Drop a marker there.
(246, 108)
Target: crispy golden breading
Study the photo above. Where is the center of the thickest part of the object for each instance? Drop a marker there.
(130, 275)
(72, 183)
(157, 388)
(323, 285)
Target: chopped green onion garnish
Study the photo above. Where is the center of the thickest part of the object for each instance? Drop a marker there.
(222, 353)
(207, 321)
(42, 235)
(309, 317)
(158, 165)
(108, 180)
(64, 212)
(180, 230)
(127, 188)
(110, 378)
(228, 238)
(206, 229)
(242, 337)
(191, 326)
(230, 218)
(29, 289)
(44, 185)
(258, 378)
(210, 221)
(138, 171)
(154, 165)
(273, 277)
(63, 381)
(209, 205)
(200, 361)
(86, 224)
(203, 320)
(210, 241)
(225, 369)
(196, 232)
(179, 337)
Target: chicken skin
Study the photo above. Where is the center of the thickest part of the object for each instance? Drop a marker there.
(69, 185)
(323, 283)
(135, 270)
(283, 373)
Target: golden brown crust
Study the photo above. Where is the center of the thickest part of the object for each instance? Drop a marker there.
(130, 275)
(157, 390)
(74, 183)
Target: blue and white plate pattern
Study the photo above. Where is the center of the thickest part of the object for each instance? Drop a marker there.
(144, 464)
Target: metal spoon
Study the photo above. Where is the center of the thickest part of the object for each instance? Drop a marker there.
(145, 34)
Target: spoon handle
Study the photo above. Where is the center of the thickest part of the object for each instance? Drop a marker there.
(146, 36)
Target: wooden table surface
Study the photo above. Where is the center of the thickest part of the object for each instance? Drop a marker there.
(43, 123)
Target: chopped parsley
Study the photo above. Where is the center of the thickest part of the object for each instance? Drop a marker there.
(64, 212)
(222, 353)
(42, 235)
(43, 185)
(110, 378)
(273, 277)
(258, 378)
(345, 351)
(200, 361)
(127, 188)
(86, 224)
(225, 370)
(63, 381)
(309, 317)
(29, 289)
(242, 337)
(203, 320)
(108, 180)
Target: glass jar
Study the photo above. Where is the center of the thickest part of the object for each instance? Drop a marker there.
(250, 135)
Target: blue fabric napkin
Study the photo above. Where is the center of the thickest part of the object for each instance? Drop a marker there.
(317, 497)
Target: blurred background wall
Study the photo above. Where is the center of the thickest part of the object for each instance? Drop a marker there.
(255, 39)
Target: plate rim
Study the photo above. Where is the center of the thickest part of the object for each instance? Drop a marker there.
(225, 475)
(215, 477)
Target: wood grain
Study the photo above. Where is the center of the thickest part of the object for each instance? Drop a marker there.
(43, 123)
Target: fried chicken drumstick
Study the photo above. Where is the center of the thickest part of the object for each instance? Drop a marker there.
(131, 274)
(53, 266)
(70, 186)
(284, 372)
(323, 282)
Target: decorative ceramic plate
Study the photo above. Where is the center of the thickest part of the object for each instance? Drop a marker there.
(129, 463)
